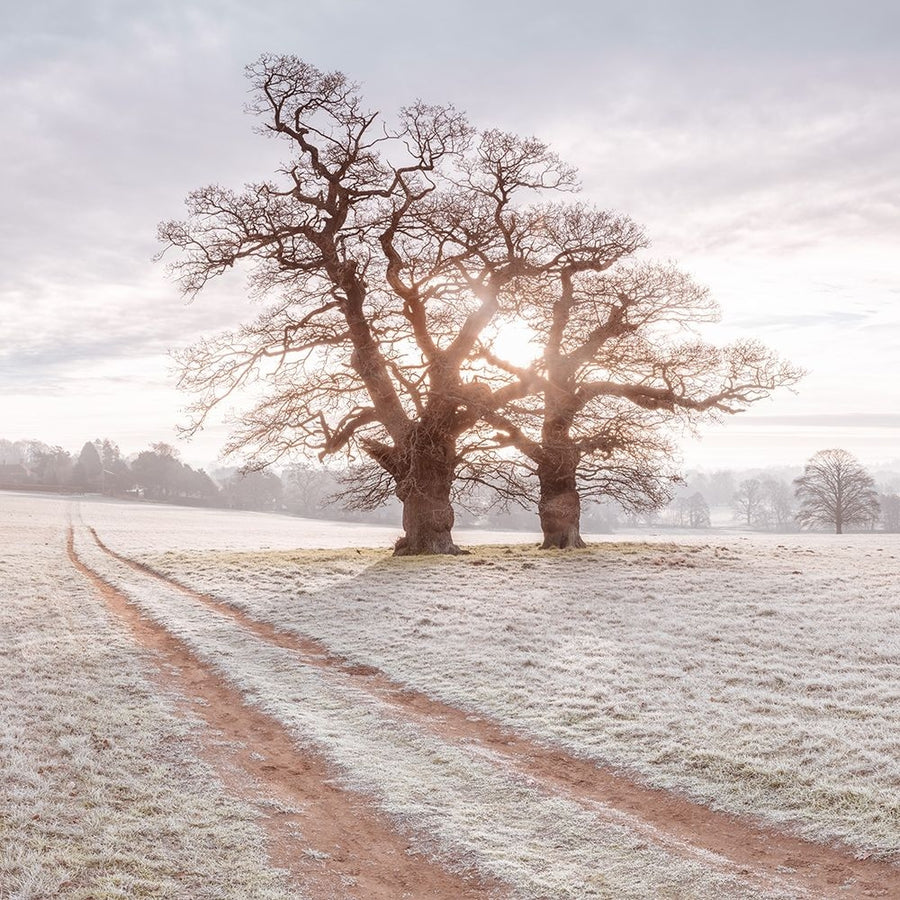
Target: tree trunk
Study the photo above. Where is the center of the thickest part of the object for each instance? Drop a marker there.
(561, 520)
(424, 490)
(559, 507)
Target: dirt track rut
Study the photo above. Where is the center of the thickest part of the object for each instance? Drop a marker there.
(337, 845)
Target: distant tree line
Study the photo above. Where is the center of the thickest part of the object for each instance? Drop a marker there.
(157, 474)
(154, 474)
(834, 492)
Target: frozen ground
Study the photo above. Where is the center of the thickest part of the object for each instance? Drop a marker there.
(143, 527)
(457, 802)
(758, 675)
(102, 794)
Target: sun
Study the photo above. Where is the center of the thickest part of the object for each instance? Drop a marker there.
(515, 342)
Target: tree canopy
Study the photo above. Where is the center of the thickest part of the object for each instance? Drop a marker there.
(388, 252)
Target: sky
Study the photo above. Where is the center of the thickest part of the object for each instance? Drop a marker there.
(755, 141)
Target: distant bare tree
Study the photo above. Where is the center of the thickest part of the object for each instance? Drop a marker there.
(766, 503)
(698, 511)
(252, 490)
(835, 490)
(777, 503)
(691, 510)
(11, 453)
(308, 489)
(749, 502)
(890, 511)
(721, 488)
(51, 466)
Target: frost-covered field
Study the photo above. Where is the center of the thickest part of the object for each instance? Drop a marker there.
(149, 527)
(101, 793)
(759, 674)
(460, 804)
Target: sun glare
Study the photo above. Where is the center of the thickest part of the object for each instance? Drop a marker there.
(515, 343)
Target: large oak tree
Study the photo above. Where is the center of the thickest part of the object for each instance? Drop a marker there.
(620, 365)
(384, 250)
(387, 252)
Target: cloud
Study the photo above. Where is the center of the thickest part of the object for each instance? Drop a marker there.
(830, 319)
(59, 333)
(756, 141)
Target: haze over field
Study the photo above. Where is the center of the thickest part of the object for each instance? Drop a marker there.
(756, 143)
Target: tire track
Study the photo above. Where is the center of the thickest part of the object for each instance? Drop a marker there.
(346, 848)
(754, 851)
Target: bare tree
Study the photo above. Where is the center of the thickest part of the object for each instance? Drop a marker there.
(766, 503)
(388, 253)
(749, 503)
(836, 491)
(385, 250)
(698, 511)
(778, 504)
(890, 511)
(619, 365)
(691, 510)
